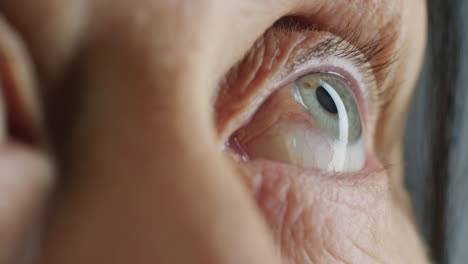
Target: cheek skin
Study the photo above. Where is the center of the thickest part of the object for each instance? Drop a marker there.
(324, 219)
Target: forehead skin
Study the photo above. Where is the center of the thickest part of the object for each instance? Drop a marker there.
(147, 71)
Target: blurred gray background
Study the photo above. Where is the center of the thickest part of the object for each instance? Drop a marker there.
(417, 151)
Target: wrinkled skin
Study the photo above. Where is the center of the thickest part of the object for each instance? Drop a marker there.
(119, 95)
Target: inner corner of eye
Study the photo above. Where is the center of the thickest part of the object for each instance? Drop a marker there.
(313, 123)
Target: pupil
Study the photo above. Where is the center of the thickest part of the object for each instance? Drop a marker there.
(325, 100)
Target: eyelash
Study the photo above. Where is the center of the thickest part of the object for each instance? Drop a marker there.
(374, 50)
(373, 60)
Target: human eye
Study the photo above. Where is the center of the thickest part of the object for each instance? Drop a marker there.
(316, 108)
(313, 122)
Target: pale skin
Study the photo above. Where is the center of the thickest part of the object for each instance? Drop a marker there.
(140, 176)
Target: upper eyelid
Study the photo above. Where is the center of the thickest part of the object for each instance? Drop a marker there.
(371, 51)
(310, 49)
(379, 51)
(374, 64)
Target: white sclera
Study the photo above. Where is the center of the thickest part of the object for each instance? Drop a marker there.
(319, 150)
(331, 141)
(314, 151)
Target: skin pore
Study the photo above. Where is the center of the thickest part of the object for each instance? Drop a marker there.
(136, 98)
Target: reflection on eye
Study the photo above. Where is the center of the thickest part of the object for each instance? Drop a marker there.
(313, 123)
(331, 102)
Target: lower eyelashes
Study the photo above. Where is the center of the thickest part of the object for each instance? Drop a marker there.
(312, 123)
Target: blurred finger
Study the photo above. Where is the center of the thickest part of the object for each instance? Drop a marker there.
(25, 178)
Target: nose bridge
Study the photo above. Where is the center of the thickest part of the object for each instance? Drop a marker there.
(146, 78)
(144, 162)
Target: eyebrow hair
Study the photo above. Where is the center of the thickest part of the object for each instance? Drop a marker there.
(376, 51)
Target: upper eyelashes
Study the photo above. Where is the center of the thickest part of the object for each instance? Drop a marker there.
(377, 54)
(288, 51)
